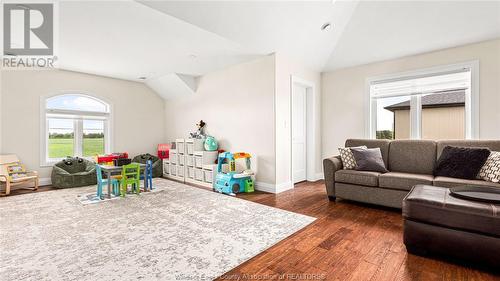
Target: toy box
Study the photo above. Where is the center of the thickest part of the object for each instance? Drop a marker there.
(163, 150)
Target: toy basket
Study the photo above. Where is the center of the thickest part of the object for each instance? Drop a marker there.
(163, 150)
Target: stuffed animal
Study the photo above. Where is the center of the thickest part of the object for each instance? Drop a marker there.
(200, 132)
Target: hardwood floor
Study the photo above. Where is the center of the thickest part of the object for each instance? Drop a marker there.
(348, 241)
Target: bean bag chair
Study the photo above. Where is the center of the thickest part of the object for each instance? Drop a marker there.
(157, 163)
(73, 172)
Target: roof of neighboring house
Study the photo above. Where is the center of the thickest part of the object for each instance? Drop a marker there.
(442, 99)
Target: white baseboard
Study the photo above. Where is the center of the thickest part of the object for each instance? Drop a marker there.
(320, 176)
(273, 188)
(44, 181)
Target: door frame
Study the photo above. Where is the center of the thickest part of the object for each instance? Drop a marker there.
(310, 127)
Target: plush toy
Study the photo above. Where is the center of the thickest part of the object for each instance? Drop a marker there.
(200, 133)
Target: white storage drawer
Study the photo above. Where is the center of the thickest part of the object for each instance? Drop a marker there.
(180, 146)
(190, 160)
(208, 176)
(198, 174)
(173, 170)
(190, 172)
(180, 159)
(180, 171)
(166, 169)
(190, 148)
(173, 157)
(198, 161)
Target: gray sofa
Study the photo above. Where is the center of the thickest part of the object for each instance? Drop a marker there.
(410, 162)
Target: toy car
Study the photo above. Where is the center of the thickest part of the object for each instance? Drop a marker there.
(233, 182)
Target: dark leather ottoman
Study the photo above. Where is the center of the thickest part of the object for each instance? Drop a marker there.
(437, 223)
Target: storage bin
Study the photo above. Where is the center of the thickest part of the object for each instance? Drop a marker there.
(198, 161)
(190, 148)
(190, 172)
(190, 161)
(173, 170)
(173, 157)
(180, 143)
(180, 159)
(198, 144)
(166, 169)
(208, 176)
(180, 171)
(198, 174)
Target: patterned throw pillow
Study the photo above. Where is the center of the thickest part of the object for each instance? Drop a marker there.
(348, 161)
(491, 169)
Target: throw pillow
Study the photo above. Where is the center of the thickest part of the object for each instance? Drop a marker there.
(348, 161)
(369, 159)
(461, 162)
(491, 169)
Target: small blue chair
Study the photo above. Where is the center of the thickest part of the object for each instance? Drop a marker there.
(149, 176)
(101, 182)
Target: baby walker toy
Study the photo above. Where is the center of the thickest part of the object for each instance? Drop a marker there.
(233, 182)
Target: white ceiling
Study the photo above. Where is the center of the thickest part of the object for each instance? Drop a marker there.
(292, 28)
(385, 30)
(128, 39)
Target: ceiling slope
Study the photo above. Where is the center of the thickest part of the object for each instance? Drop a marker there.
(382, 30)
(125, 39)
(292, 28)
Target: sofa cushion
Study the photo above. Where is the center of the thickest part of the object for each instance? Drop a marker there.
(357, 177)
(382, 144)
(412, 156)
(493, 145)
(461, 162)
(369, 159)
(434, 205)
(403, 181)
(454, 182)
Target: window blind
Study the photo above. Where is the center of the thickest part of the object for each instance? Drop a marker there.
(434, 83)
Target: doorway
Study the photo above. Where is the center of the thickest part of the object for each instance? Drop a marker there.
(299, 132)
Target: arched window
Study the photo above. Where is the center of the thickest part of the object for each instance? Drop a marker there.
(75, 125)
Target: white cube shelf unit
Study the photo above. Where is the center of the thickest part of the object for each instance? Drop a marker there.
(189, 162)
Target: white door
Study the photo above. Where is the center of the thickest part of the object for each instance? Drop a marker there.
(299, 97)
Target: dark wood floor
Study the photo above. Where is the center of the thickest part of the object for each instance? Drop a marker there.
(348, 241)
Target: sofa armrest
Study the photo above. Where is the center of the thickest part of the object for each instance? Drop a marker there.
(60, 171)
(330, 166)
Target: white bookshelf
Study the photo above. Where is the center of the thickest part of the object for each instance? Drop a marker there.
(190, 163)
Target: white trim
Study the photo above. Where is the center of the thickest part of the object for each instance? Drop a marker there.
(370, 120)
(273, 188)
(311, 109)
(320, 176)
(44, 181)
(108, 123)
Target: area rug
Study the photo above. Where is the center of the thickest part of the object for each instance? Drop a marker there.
(178, 233)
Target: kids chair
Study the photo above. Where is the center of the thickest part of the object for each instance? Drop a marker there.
(13, 173)
(149, 176)
(100, 182)
(130, 175)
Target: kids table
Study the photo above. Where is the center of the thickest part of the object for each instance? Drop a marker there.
(110, 170)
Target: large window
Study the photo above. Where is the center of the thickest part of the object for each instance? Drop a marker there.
(434, 104)
(75, 125)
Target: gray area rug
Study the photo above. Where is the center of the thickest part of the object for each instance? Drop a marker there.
(178, 233)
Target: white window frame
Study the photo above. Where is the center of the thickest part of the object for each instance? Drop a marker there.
(471, 102)
(77, 116)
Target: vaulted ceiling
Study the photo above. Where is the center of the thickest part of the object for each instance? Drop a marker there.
(158, 39)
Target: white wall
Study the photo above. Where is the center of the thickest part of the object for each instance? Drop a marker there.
(343, 91)
(237, 104)
(285, 69)
(138, 113)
